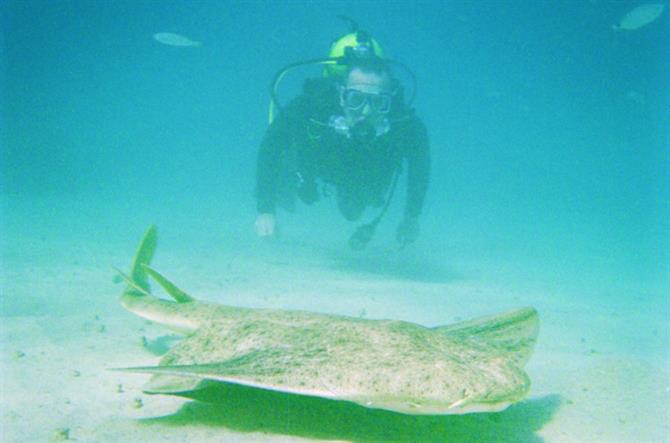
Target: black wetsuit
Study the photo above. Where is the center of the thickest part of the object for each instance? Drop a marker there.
(361, 171)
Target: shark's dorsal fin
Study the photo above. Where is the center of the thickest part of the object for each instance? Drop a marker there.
(133, 287)
(176, 293)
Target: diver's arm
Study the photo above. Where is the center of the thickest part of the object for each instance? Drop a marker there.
(267, 167)
(278, 137)
(417, 154)
(418, 170)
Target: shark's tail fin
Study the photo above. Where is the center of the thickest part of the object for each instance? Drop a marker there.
(169, 287)
(138, 278)
(138, 271)
(137, 297)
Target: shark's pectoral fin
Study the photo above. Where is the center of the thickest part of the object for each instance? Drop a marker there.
(512, 334)
(265, 369)
(254, 363)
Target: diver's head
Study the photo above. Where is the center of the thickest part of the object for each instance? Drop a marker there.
(366, 92)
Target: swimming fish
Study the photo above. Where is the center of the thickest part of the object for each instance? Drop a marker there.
(171, 39)
(640, 16)
(472, 366)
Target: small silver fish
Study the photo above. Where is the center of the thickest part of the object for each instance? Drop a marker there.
(640, 16)
(172, 39)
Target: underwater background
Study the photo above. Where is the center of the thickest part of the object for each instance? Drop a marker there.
(548, 130)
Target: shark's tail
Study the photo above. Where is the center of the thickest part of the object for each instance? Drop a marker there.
(138, 279)
(137, 296)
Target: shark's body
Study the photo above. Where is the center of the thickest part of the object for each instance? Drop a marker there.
(473, 366)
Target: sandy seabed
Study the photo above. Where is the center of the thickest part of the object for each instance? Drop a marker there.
(600, 372)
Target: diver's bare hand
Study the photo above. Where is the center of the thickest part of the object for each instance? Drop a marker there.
(265, 225)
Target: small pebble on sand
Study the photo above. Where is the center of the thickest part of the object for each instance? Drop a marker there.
(61, 434)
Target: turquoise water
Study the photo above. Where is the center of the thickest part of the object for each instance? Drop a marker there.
(549, 136)
(546, 127)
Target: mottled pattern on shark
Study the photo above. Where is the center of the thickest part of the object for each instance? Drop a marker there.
(474, 366)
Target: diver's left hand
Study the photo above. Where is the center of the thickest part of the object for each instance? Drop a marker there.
(408, 231)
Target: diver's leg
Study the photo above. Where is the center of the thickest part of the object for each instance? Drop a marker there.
(307, 189)
(350, 202)
(381, 186)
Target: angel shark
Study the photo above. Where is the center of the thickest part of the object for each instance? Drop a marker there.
(472, 366)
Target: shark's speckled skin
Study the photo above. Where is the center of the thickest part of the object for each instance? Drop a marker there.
(474, 366)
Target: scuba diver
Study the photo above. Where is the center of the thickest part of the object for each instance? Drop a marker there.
(350, 130)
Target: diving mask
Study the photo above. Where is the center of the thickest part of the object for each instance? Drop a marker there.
(355, 100)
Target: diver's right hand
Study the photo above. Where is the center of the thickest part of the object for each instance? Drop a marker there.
(265, 225)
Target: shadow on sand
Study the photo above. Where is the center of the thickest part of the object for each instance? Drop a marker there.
(409, 266)
(245, 409)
